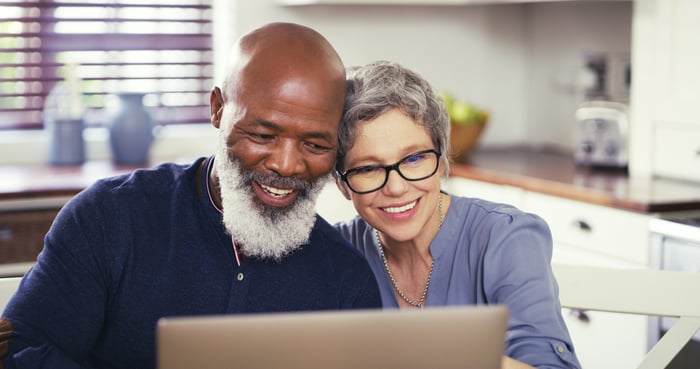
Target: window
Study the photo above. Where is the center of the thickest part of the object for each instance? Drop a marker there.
(161, 48)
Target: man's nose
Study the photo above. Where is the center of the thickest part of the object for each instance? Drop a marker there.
(286, 159)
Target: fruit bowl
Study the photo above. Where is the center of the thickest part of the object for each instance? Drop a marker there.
(467, 124)
(464, 137)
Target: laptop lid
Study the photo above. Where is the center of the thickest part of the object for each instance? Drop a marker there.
(466, 337)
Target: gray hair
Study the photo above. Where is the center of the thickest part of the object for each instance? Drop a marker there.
(378, 87)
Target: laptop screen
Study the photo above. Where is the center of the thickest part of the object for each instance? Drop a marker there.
(434, 338)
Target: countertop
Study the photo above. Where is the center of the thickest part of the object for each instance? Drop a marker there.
(546, 171)
(555, 173)
(36, 181)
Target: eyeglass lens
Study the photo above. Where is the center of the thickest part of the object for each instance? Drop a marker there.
(414, 167)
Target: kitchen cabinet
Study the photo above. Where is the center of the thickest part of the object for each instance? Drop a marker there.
(585, 234)
(593, 235)
(665, 134)
(602, 339)
(676, 149)
(23, 225)
(614, 234)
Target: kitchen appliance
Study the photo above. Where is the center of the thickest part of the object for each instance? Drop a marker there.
(601, 134)
(675, 245)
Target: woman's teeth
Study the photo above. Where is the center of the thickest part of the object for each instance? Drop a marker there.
(279, 192)
(400, 209)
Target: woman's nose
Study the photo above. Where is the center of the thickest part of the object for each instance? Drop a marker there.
(395, 184)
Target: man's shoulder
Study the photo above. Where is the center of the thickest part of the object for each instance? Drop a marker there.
(152, 184)
(323, 231)
(159, 177)
(328, 236)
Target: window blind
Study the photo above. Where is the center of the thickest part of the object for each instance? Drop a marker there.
(161, 48)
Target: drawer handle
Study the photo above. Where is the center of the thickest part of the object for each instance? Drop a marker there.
(580, 315)
(583, 225)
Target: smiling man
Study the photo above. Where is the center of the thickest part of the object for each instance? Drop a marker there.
(232, 233)
(278, 125)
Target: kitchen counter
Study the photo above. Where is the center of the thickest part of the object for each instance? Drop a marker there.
(20, 182)
(555, 173)
(545, 171)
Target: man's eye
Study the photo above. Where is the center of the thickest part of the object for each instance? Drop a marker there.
(317, 148)
(261, 136)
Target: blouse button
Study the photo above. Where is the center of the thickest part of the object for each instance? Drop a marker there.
(560, 348)
(239, 277)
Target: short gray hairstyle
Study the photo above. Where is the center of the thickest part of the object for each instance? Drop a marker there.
(380, 86)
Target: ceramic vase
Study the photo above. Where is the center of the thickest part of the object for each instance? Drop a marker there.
(130, 130)
(66, 144)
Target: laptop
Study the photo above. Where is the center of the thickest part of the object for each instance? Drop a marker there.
(466, 337)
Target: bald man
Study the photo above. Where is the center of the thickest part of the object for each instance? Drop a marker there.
(232, 233)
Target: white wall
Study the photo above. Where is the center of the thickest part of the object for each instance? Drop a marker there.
(476, 52)
(519, 61)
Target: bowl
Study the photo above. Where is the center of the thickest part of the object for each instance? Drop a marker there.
(464, 138)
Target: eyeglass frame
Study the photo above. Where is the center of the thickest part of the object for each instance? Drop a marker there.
(388, 168)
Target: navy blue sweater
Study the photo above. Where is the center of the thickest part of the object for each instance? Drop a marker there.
(132, 249)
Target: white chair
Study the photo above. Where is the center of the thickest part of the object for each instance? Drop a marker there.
(637, 291)
(8, 286)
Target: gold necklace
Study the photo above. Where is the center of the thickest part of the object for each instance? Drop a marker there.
(420, 303)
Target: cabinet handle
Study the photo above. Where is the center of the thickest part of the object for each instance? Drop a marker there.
(580, 315)
(5, 233)
(583, 225)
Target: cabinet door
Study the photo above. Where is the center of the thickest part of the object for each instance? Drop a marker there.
(22, 238)
(666, 83)
(618, 234)
(677, 42)
(586, 234)
(603, 340)
(676, 150)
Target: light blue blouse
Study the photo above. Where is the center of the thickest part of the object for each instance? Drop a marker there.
(489, 253)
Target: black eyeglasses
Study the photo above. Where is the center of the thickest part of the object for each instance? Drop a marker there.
(370, 178)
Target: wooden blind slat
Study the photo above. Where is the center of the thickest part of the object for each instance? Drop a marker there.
(32, 57)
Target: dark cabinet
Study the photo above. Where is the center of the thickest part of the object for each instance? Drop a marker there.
(22, 234)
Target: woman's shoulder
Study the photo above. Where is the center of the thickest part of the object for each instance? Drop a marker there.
(358, 232)
(501, 230)
(483, 212)
(351, 229)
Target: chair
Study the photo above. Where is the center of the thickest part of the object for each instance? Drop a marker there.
(637, 291)
(8, 286)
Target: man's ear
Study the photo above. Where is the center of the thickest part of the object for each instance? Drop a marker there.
(342, 187)
(216, 103)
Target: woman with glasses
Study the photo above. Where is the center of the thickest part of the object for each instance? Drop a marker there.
(427, 247)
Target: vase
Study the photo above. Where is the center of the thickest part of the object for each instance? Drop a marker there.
(63, 121)
(66, 144)
(130, 130)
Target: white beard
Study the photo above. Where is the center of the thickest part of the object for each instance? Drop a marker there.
(259, 230)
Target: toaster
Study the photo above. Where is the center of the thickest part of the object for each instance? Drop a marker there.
(602, 131)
